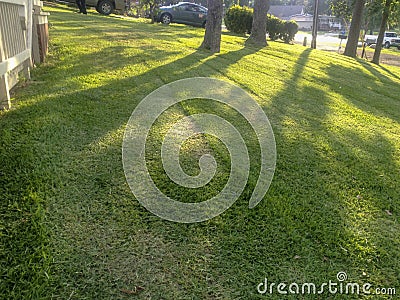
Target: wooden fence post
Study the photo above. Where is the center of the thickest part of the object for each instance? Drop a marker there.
(4, 88)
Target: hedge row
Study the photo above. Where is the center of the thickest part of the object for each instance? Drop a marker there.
(239, 19)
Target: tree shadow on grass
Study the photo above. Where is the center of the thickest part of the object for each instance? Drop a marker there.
(305, 206)
(345, 169)
(379, 94)
(309, 212)
(309, 227)
(109, 242)
(65, 126)
(389, 72)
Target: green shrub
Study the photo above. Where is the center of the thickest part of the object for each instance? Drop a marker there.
(279, 29)
(275, 27)
(290, 30)
(239, 19)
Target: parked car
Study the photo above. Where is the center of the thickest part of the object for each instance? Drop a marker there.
(104, 7)
(390, 39)
(184, 13)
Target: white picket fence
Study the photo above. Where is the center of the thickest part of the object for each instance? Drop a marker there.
(16, 24)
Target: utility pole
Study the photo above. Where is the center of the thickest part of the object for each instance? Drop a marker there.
(315, 26)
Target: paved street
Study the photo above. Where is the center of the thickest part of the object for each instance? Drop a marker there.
(325, 41)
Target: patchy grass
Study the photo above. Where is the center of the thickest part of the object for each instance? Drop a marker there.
(391, 51)
(71, 228)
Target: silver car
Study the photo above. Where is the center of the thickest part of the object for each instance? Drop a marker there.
(184, 13)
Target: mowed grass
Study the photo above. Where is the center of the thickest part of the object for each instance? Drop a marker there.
(72, 229)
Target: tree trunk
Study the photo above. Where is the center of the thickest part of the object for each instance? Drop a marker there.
(258, 28)
(152, 13)
(355, 27)
(379, 41)
(212, 36)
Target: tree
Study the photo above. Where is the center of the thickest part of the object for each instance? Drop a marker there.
(355, 27)
(379, 41)
(258, 34)
(212, 36)
(375, 9)
(394, 16)
(373, 14)
(342, 9)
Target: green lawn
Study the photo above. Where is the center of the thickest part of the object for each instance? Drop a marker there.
(71, 228)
